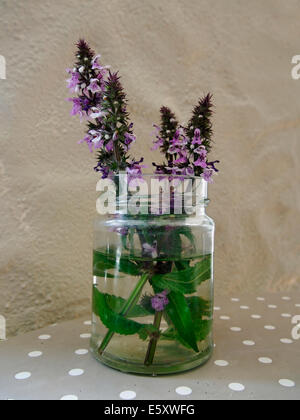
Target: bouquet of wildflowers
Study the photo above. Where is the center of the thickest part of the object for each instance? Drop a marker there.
(186, 148)
(100, 101)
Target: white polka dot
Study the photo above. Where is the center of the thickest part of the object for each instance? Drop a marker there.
(35, 354)
(87, 322)
(53, 325)
(225, 317)
(76, 372)
(287, 383)
(221, 363)
(286, 315)
(235, 300)
(286, 340)
(286, 298)
(183, 390)
(244, 307)
(249, 343)
(85, 335)
(236, 387)
(22, 375)
(236, 329)
(265, 360)
(217, 308)
(80, 352)
(254, 316)
(45, 337)
(272, 306)
(297, 305)
(127, 395)
(269, 327)
(260, 299)
(69, 398)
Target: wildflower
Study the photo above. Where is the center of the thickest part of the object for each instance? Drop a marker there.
(95, 63)
(94, 86)
(212, 165)
(129, 138)
(197, 137)
(102, 102)
(150, 250)
(158, 143)
(160, 301)
(200, 162)
(88, 140)
(77, 108)
(207, 174)
(182, 157)
(73, 82)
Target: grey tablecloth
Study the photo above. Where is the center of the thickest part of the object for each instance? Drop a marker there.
(256, 356)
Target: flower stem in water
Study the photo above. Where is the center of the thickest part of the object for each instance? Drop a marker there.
(153, 342)
(127, 306)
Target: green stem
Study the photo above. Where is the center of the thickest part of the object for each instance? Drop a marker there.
(127, 306)
(153, 342)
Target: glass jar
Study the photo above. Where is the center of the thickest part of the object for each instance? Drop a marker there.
(153, 275)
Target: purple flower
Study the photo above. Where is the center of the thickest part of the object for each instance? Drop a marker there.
(158, 143)
(200, 162)
(129, 138)
(150, 250)
(123, 231)
(207, 175)
(104, 170)
(134, 171)
(110, 146)
(182, 157)
(73, 82)
(95, 63)
(96, 113)
(173, 149)
(160, 301)
(94, 86)
(212, 165)
(77, 108)
(85, 104)
(189, 171)
(97, 139)
(88, 140)
(197, 137)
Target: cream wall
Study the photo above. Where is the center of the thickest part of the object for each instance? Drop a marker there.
(168, 52)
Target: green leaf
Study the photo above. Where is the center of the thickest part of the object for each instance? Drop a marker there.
(117, 304)
(180, 315)
(111, 261)
(199, 308)
(115, 322)
(185, 281)
(202, 329)
(186, 231)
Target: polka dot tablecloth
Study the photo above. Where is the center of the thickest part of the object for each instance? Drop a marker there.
(256, 356)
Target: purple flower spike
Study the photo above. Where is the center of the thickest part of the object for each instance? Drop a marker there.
(160, 301)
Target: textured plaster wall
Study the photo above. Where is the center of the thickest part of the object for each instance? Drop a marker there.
(168, 52)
